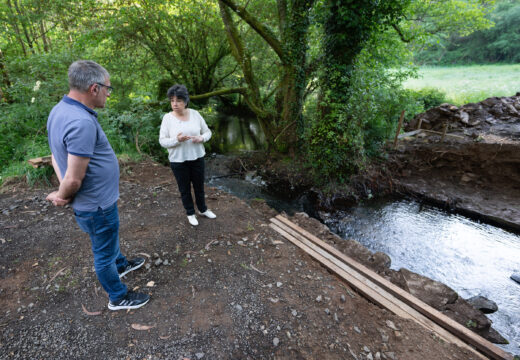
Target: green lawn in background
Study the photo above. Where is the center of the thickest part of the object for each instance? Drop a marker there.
(465, 84)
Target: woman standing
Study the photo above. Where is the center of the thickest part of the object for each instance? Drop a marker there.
(183, 132)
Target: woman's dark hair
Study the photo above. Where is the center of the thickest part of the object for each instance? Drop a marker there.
(180, 92)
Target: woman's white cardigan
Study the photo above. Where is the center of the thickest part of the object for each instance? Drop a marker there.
(171, 126)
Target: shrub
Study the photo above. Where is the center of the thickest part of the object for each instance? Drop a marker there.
(429, 97)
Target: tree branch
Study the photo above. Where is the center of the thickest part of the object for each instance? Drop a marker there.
(400, 33)
(262, 30)
(241, 90)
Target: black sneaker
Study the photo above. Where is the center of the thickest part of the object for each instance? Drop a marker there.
(133, 264)
(132, 300)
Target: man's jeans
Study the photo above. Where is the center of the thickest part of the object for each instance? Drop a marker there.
(103, 229)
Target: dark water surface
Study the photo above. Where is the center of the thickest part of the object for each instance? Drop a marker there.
(470, 257)
(234, 133)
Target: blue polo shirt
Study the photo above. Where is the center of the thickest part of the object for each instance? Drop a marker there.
(73, 128)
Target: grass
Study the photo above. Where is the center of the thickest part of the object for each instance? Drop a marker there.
(465, 84)
(18, 170)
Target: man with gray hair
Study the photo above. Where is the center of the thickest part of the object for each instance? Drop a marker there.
(88, 171)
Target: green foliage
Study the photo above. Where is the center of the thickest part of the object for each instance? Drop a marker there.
(337, 141)
(500, 43)
(429, 97)
(426, 23)
(134, 130)
(36, 87)
(341, 50)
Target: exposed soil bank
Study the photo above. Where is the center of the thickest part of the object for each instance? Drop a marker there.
(475, 169)
(230, 288)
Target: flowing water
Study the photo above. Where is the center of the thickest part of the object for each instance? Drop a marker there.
(470, 257)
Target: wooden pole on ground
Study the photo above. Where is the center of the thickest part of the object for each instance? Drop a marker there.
(398, 128)
(444, 130)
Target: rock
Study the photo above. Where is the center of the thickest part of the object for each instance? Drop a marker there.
(327, 311)
(319, 298)
(278, 284)
(199, 355)
(294, 313)
(465, 314)
(342, 298)
(516, 277)
(238, 307)
(384, 336)
(356, 329)
(391, 325)
(483, 304)
(380, 261)
(391, 355)
(494, 336)
(158, 262)
(276, 341)
(432, 292)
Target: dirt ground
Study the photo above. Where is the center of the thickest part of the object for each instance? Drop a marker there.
(231, 288)
(474, 169)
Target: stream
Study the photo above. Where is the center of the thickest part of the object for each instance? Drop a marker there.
(470, 257)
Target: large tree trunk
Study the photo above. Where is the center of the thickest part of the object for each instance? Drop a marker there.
(294, 33)
(252, 95)
(283, 124)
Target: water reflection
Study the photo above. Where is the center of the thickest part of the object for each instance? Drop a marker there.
(233, 133)
(472, 258)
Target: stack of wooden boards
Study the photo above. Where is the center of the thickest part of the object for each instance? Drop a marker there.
(386, 294)
(41, 161)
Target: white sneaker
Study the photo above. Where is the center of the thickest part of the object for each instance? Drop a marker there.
(209, 214)
(193, 220)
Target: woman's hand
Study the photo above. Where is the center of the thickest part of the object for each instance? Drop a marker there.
(197, 139)
(182, 138)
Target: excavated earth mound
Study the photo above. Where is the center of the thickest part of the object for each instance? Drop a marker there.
(465, 158)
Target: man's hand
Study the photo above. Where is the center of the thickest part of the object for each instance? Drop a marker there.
(183, 138)
(55, 200)
(197, 139)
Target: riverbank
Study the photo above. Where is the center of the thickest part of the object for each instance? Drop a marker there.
(463, 159)
(230, 288)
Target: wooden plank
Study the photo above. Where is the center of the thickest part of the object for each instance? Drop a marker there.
(40, 161)
(409, 133)
(363, 288)
(449, 324)
(366, 287)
